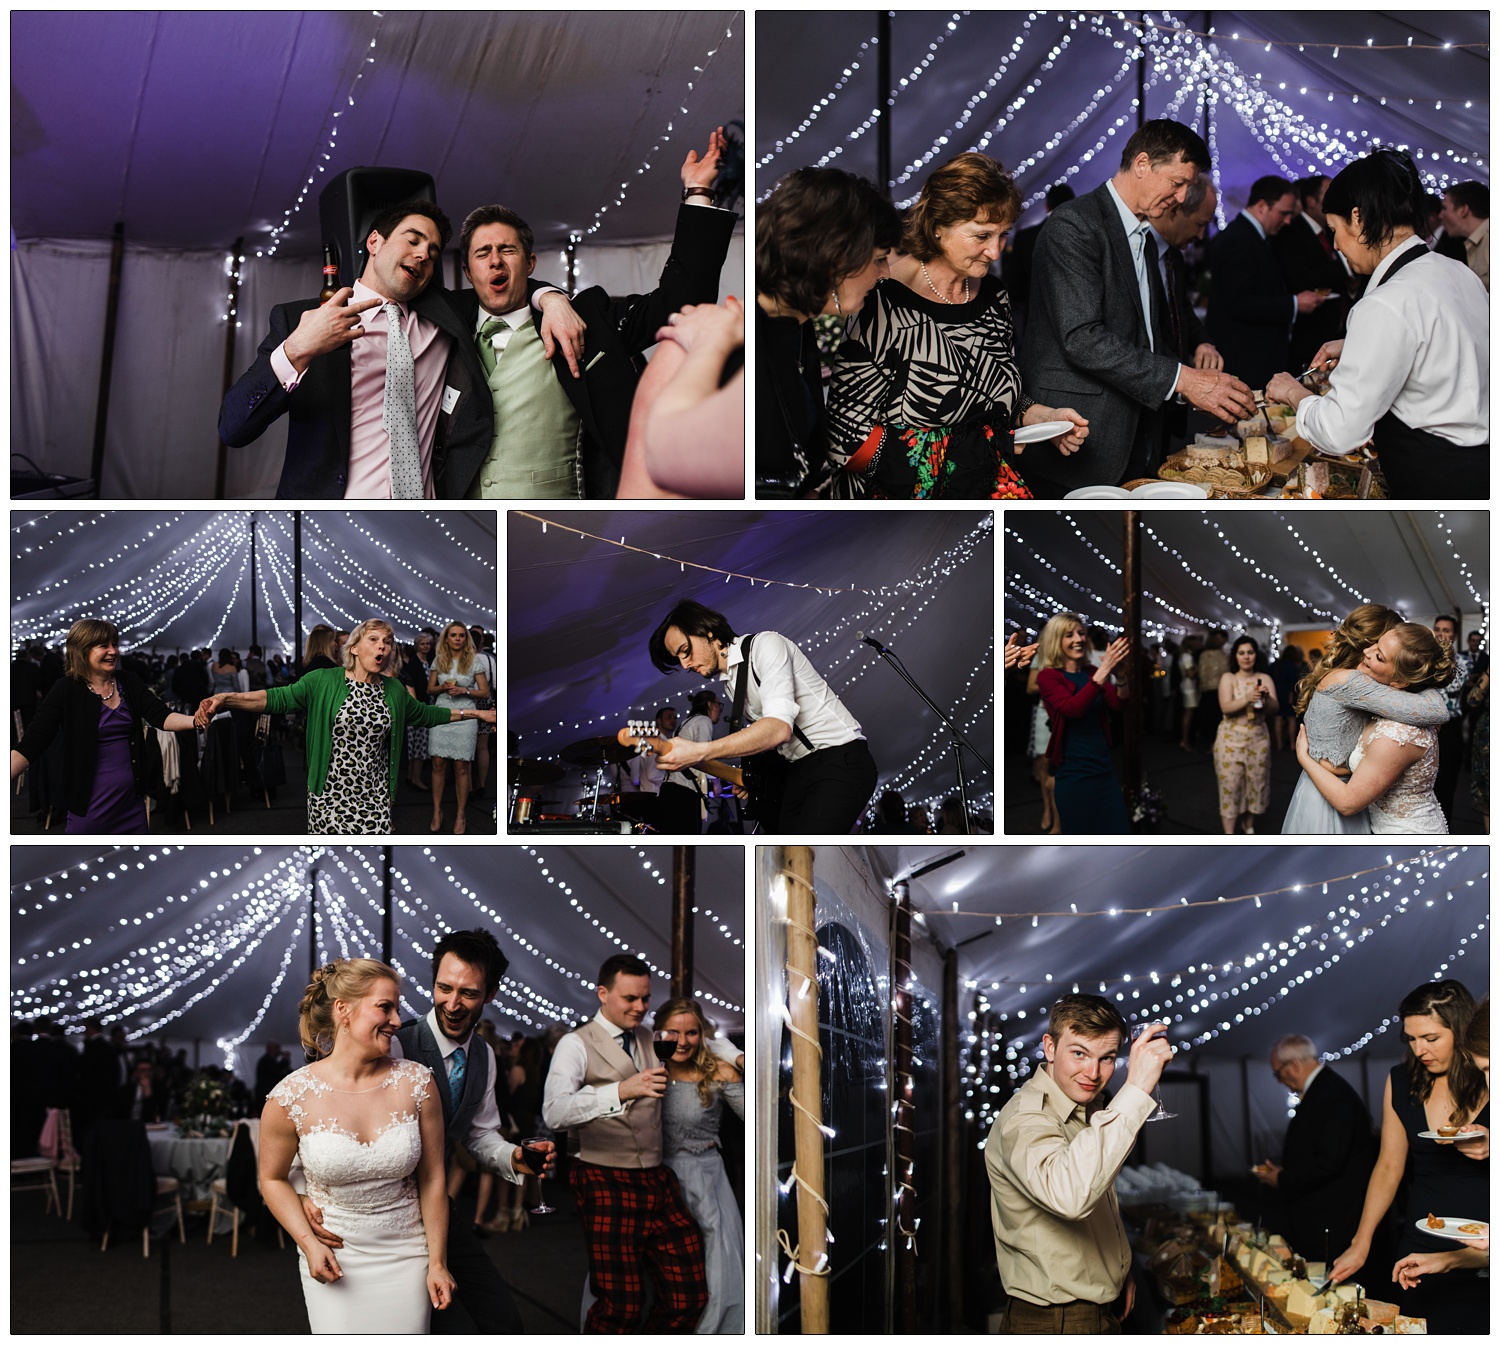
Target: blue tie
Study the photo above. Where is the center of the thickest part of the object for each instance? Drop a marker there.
(456, 1075)
(624, 1040)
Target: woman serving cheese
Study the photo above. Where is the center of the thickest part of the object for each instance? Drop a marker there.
(1413, 371)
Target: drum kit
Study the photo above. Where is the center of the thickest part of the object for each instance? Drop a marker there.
(607, 805)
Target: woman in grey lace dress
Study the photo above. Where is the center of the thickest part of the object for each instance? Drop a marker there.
(699, 1087)
(1394, 764)
(1338, 699)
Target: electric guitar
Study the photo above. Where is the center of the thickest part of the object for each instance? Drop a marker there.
(762, 780)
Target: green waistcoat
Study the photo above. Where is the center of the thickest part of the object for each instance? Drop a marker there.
(534, 455)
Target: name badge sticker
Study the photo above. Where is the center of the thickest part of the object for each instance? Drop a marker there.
(450, 400)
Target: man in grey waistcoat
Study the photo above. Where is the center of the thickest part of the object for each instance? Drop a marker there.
(467, 966)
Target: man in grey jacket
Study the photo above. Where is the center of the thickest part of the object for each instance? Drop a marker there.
(1098, 338)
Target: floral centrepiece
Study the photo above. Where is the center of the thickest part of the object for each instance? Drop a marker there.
(205, 1109)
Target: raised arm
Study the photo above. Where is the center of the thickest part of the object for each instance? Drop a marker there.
(1424, 709)
(1381, 1191)
(1381, 766)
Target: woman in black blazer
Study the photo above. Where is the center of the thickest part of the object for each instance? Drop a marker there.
(99, 710)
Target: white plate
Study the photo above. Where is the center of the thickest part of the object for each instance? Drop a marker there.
(1172, 490)
(1451, 1139)
(1046, 429)
(1097, 493)
(1450, 1226)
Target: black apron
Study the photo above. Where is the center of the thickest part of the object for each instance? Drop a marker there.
(1420, 465)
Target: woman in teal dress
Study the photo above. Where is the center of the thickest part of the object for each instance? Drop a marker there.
(455, 683)
(1079, 697)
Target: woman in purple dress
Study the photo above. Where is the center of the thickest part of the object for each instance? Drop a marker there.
(98, 709)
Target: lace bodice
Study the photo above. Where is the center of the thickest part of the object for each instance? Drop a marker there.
(1337, 714)
(1409, 805)
(360, 1149)
(687, 1126)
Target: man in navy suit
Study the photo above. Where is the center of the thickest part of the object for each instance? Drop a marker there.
(467, 967)
(1328, 1155)
(1250, 309)
(1096, 338)
(1304, 252)
(325, 366)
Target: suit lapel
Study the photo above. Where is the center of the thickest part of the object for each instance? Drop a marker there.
(427, 1048)
(1114, 230)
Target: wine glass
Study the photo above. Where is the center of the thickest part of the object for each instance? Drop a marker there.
(1161, 1113)
(664, 1043)
(536, 1160)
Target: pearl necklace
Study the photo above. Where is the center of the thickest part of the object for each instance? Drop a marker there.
(937, 291)
(104, 695)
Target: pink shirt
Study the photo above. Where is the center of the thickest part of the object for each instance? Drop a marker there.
(369, 445)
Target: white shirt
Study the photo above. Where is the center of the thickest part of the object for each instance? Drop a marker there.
(483, 1139)
(645, 774)
(1419, 346)
(1135, 234)
(789, 689)
(568, 1102)
(514, 320)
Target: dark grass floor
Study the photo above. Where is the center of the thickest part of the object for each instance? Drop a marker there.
(61, 1284)
(287, 814)
(1186, 782)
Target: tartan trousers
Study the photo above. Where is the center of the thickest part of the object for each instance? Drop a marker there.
(635, 1223)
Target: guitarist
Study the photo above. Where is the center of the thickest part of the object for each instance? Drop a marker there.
(788, 709)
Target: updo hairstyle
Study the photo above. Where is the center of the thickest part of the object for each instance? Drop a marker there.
(349, 978)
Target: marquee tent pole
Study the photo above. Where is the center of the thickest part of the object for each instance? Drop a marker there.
(951, 1147)
(807, 1087)
(1135, 661)
(385, 904)
(312, 921)
(882, 101)
(1140, 70)
(904, 1213)
(254, 587)
(684, 873)
(232, 326)
(106, 365)
(297, 591)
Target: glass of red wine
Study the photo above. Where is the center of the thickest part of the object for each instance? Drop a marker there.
(536, 1159)
(665, 1045)
(1161, 1113)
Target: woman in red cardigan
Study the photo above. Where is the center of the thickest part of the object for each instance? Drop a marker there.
(1078, 698)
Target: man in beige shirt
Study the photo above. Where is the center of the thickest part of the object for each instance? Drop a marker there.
(1053, 1155)
(1466, 215)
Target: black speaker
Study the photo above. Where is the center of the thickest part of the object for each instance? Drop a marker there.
(348, 205)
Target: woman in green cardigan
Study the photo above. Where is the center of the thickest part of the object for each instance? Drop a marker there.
(357, 717)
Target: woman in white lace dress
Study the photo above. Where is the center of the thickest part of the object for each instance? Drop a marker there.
(373, 1158)
(1394, 765)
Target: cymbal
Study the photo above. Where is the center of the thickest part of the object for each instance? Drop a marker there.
(530, 771)
(596, 751)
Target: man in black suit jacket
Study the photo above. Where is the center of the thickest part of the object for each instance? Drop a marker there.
(1328, 1155)
(1094, 337)
(1304, 252)
(597, 387)
(99, 1094)
(1250, 309)
(1179, 225)
(305, 369)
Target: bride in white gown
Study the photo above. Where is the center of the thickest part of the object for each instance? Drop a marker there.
(373, 1158)
(1394, 765)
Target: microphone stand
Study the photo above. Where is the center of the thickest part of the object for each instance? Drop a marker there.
(957, 739)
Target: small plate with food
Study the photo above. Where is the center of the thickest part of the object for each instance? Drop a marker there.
(1451, 1134)
(1457, 1228)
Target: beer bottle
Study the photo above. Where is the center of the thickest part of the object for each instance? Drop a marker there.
(330, 276)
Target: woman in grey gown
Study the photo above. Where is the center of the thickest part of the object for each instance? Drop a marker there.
(699, 1087)
(1337, 700)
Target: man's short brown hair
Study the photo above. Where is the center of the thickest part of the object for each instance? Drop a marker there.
(1089, 1016)
(494, 214)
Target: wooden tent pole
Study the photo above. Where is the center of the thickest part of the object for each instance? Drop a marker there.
(904, 1155)
(1140, 72)
(684, 873)
(107, 362)
(807, 1088)
(882, 95)
(952, 1149)
(385, 904)
(232, 324)
(254, 586)
(297, 591)
(1135, 661)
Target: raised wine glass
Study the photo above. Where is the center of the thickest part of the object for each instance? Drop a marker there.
(536, 1160)
(665, 1045)
(1161, 1113)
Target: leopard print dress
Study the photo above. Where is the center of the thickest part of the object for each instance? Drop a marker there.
(356, 797)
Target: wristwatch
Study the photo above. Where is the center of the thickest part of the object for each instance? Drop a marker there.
(689, 192)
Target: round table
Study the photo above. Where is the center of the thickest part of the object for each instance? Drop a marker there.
(197, 1164)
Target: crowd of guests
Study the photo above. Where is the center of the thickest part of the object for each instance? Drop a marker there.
(507, 388)
(1092, 334)
(81, 714)
(1228, 698)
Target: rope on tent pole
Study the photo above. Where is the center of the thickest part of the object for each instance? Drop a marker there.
(810, 1256)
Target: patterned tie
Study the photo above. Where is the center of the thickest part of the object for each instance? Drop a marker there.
(400, 417)
(456, 1076)
(486, 341)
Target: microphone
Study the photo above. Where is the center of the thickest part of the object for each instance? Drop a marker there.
(869, 640)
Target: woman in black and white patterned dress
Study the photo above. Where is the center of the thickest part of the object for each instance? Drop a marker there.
(926, 391)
